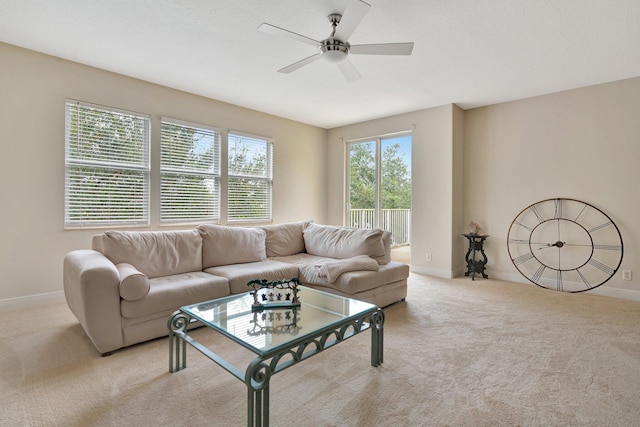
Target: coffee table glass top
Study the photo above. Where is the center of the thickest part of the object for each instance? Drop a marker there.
(271, 329)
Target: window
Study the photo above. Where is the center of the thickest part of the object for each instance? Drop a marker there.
(190, 172)
(106, 166)
(250, 178)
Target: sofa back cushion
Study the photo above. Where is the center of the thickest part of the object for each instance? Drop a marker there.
(154, 253)
(285, 239)
(231, 245)
(344, 242)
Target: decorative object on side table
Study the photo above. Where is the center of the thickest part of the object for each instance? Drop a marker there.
(565, 244)
(474, 228)
(275, 294)
(474, 264)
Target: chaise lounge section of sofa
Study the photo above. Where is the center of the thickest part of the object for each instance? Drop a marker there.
(123, 289)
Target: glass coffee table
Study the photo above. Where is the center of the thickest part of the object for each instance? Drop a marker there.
(280, 337)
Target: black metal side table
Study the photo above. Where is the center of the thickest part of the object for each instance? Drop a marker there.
(476, 265)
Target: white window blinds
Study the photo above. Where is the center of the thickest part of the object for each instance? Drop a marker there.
(250, 178)
(106, 166)
(190, 172)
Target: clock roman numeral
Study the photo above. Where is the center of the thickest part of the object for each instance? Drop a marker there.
(601, 266)
(537, 213)
(559, 284)
(608, 247)
(584, 279)
(606, 224)
(558, 211)
(523, 258)
(536, 276)
(519, 241)
(522, 225)
(580, 213)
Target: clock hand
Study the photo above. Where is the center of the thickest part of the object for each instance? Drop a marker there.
(557, 244)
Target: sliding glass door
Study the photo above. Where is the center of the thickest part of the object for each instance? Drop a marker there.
(379, 185)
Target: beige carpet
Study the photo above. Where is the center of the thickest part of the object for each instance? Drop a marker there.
(457, 353)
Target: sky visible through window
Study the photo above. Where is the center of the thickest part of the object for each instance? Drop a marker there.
(405, 148)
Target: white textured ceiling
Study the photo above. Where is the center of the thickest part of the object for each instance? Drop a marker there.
(468, 52)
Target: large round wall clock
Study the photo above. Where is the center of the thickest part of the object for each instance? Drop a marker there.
(565, 245)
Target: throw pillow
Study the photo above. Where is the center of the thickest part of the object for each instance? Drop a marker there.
(133, 284)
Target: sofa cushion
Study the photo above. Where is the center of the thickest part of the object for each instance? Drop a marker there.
(175, 291)
(231, 245)
(343, 242)
(133, 284)
(241, 274)
(285, 239)
(155, 253)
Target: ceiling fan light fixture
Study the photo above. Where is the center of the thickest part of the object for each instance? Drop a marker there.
(334, 50)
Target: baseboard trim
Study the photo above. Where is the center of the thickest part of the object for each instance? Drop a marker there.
(608, 291)
(30, 301)
(435, 272)
(604, 290)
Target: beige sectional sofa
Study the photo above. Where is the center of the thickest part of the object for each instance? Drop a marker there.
(123, 289)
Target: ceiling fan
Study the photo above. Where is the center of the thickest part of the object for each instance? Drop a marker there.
(336, 47)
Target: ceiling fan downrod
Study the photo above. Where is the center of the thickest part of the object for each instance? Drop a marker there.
(334, 50)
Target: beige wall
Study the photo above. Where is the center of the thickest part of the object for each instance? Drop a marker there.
(582, 144)
(33, 89)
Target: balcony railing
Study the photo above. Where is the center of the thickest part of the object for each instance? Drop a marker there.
(397, 221)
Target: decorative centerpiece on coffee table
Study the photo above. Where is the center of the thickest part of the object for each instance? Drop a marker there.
(275, 294)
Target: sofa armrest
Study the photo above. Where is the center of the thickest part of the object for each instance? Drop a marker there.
(91, 288)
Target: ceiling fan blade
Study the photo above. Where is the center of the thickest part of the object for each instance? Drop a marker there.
(382, 49)
(351, 17)
(296, 65)
(272, 29)
(349, 71)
